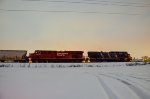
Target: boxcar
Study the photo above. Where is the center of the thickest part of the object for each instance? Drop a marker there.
(56, 56)
(13, 55)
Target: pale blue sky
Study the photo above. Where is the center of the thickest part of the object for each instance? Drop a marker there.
(107, 25)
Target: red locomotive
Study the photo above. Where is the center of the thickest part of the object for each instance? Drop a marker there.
(56, 56)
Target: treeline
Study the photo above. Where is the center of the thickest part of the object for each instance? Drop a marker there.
(146, 59)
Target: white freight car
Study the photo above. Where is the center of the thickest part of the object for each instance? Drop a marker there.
(13, 55)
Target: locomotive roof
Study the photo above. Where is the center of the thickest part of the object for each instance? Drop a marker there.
(13, 50)
(55, 51)
(108, 52)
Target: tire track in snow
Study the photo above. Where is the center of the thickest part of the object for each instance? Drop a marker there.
(109, 92)
(145, 79)
(127, 77)
(131, 76)
(140, 93)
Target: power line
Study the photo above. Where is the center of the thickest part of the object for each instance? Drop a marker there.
(116, 3)
(67, 11)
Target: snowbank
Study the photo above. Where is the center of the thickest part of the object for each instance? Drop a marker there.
(64, 65)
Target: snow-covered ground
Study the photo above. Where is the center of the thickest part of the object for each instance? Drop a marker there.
(75, 81)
